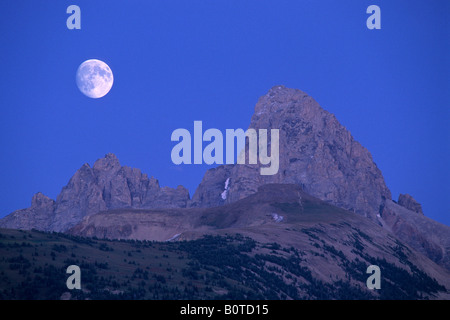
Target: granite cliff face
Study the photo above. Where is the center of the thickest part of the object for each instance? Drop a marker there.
(316, 153)
(107, 185)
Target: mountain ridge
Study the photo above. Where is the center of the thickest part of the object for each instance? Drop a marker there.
(317, 153)
(105, 185)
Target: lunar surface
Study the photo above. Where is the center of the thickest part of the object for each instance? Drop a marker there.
(94, 78)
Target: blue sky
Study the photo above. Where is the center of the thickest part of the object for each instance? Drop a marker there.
(179, 61)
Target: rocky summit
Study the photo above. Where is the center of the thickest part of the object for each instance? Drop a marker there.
(106, 185)
(316, 152)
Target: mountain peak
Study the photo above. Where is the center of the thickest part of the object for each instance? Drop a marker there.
(109, 163)
(278, 97)
(110, 155)
(40, 200)
(316, 152)
(408, 202)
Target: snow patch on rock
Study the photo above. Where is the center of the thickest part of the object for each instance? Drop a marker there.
(225, 191)
(277, 218)
(174, 237)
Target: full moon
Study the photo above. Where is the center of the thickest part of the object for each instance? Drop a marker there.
(94, 78)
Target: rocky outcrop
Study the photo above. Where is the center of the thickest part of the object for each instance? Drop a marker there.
(107, 185)
(407, 201)
(316, 153)
(82, 196)
(425, 235)
(212, 192)
(37, 216)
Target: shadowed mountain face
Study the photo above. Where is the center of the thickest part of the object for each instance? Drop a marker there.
(316, 153)
(271, 206)
(162, 224)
